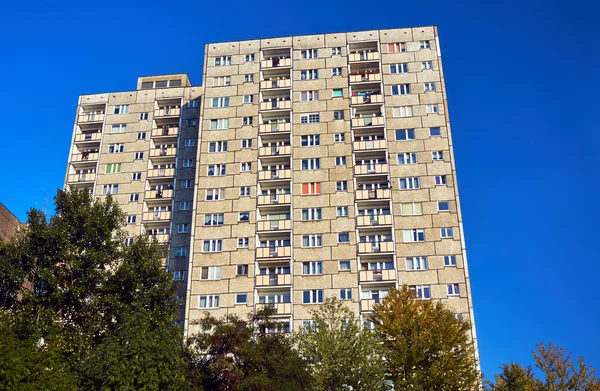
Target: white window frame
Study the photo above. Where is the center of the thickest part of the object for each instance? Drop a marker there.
(312, 241)
(212, 273)
(409, 183)
(222, 61)
(210, 301)
(416, 207)
(212, 246)
(183, 228)
(446, 233)
(453, 289)
(218, 146)
(402, 111)
(413, 235)
(214, 194)
(417, 263)
(407, 158)
(219, 124)
(449, 260)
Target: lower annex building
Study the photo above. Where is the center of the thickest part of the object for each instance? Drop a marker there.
(304, 167)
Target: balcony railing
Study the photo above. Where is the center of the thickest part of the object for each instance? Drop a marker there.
(161, 238)
(370, 169)
(274, 252)
(363, 56)
(85, 137)
(276, 127)
(373, 98)
(274, 225)
(378, 194)
(161, 172)
(359, 77)
(276, 62)
(368, 145)
(166, 131)
(375, 247)
(157, 216)
(279, 83)
(280, 308)
(167, 112)
(368, 304)
(163, 152)
(158, 194)
(87, 177)
(275, 150)
(274, 199)
(368, 121)
(276, 105)
(90, 117)
(274, 174)
(273, 279)
(85, 157)
(377, 275)
(364, 221)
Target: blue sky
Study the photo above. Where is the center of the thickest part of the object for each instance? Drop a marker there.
(522, 82)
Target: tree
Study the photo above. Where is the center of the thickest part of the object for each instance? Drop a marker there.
(341, 357)
(514, 377)
(562, 374)
(424, 345)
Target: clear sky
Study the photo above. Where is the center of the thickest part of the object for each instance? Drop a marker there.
(523, 88)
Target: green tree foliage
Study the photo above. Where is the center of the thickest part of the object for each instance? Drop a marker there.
(341, 357)
(514, 377)
(99, 312)
(425, 346)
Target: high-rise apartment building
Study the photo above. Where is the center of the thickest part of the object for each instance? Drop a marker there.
(9, 223)
(324, 168)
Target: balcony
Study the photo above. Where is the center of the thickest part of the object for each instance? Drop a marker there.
(274, 225)
(85, 157)
(82, 177)
(158, 194)
(266, 175)
(274, 280)
(368, 121)
(90, 117)
(368, 304)
(157, 216)
(277, 83)
(161, 238)
(375, 247)
(369, 145)
(166, 131)
(276, 105)
(365, 169)
(163, 152)
(276, 63)
(275, 150)
(161, 172)
(377, 194)
(275, 199)
(88, 137)
(280, 308)
(363, 56)
(167, 111)
(377, 275)
(371, 220)
(362, 77)
(274, 252)
(367, 99)
(276, 127)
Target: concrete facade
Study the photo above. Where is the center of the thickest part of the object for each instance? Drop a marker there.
(9, 223)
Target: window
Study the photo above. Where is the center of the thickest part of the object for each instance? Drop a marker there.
(110, 189)
(113, 168)
(160, 84)
(421, 291)
(336, 51)
(188, 162)
(211, 273)
(248, 78)
(342, 211)
(221, 81)
(242, 270)
(183, 228)
(339, 114)
(341, 185)
(215, 194)
(214, 219)
(212, 246)
(246, 143)
(246, 167)
(310, 164)
(131, 219)
(416, 263)
(429, 86)
(307, 96)
(139, 155)
(312, 214)
(249, 58)
(309, 74)
(245, 191)
(401, 89)
(310, 119)
(443, 206)
(426, 65)
(116, 148)
(336, 71)
(313, 296)
(339, 138)
(308, 54)
(338, 93)
(185, 205)
(244, 216)
(136, 176)
(222, 61)
(121, 109)
(397, 47)
(409, 183)
(219, 124)
(248, 98)
(193, 103)
(220, 102)
(178, 275)
(129, 241)
(435, 132)
(402, 111)
(191, 122)
(141, 136)
(453, 290)
(449, 260)
(340, 160)
(431, 109)
(412, 209)
(346, 294)
(209, 301)
(344, 237)
(308, 141)
(247, 121)
(446, 233)
(186, 184)
(312, 268)
(437, 155)
(217, 146)
(413, 235)
(405, 134)
(311, 188)
(407, 158)
(241, 298)
(216, 169)
(425, 44)
(120, 128)
(134, 197)
(399, 68)
(312, 241)
(440, 180)
(243, 242)
(181, 252)
(344, 265)
(143, 116)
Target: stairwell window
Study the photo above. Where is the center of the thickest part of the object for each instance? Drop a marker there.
(183, 228)
(181, 252)
(188, 162)
(338, 114)
(134, 197)
(185, 205)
